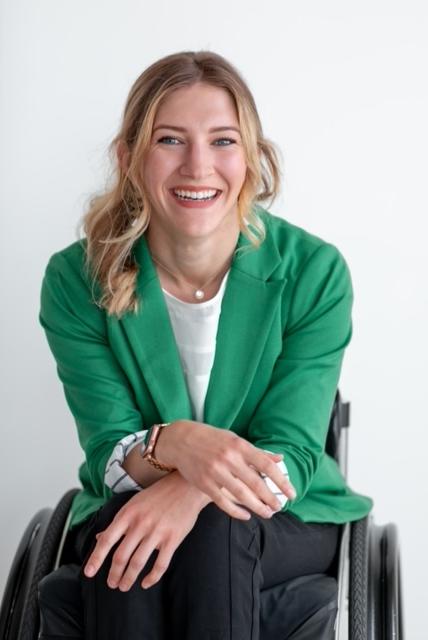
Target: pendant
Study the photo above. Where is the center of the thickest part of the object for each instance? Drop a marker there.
(199, 294)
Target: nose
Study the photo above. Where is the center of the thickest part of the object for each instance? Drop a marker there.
(197, 161)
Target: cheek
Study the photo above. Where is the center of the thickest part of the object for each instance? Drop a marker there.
(235, 168)
(157, 170)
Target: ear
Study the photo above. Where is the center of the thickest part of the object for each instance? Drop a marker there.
(122, 153)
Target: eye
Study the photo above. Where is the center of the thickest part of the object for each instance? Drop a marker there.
(165, 138)
(229, 141)
(173, 142)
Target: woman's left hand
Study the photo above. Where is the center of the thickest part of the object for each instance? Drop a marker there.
(158, 517)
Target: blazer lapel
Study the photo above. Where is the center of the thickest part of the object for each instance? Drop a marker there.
(246, 318)
(247, 312)
(151, 337)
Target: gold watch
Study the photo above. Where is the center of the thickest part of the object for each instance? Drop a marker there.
(148, 447)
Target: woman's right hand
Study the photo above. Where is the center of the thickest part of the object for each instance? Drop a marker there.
(159, 517)
(224, 466)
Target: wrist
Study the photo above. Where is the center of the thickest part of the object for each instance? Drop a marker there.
(148, 448)
(197, 498)
(167, 445)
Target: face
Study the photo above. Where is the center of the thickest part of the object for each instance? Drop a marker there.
(195, 167)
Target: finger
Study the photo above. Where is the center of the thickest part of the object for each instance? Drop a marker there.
(275, 456)
(105, 541)
(250, 489)
(137, 563)
(228, 504)
(253, 493)
(121, 558)
(277, 492)
(215, 492)
(163, 559)
(270, 469)
(259, 488)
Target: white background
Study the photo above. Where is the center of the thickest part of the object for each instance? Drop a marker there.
(342, 89)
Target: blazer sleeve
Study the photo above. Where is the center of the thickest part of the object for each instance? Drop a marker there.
(95, 386)
(293, 416)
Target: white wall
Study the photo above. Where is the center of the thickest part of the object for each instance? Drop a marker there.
(341, 87)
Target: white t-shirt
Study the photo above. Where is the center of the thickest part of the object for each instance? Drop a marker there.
(195, 329)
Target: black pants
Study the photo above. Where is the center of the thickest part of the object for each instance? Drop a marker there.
(211, 589)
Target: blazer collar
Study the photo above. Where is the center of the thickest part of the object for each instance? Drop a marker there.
(248, 306)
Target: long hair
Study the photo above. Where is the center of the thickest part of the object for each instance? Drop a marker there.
(117, 217)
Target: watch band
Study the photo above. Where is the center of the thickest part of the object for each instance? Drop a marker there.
(148, 447)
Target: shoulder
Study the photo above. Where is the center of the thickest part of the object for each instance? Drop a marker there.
(67, 282)
(67, 269)
(318, 280)
(71, 258)
(297, 248)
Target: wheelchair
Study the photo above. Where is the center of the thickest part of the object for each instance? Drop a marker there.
(361, 600)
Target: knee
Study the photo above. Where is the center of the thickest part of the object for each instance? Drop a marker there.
(212, 522)
(216, 545)
(214, 528)
(213, 516)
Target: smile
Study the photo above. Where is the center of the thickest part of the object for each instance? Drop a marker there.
(195, 199)
(208, 194)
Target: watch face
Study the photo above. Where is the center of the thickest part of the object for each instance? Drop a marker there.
(152, 436)
(146, 441)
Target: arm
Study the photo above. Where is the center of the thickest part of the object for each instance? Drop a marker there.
(126, 471)
(96, 388)
(294, 414)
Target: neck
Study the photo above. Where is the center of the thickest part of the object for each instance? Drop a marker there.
(195, 260)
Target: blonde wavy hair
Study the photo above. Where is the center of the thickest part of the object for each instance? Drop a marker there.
(117, 217)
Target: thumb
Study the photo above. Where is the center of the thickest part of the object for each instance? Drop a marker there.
(277, 455)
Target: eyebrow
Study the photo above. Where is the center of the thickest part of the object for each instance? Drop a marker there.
(183, 129)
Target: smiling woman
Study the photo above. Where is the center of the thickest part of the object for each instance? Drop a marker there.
(199, 340)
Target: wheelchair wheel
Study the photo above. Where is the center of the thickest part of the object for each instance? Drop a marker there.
(385, 606)
(375, 606)
(35, 558)
(392, 570)
(358, 583)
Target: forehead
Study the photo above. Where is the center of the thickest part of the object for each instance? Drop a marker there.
(200, 104)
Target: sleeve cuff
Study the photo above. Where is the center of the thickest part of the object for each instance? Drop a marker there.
(115, 475)
(272, 486)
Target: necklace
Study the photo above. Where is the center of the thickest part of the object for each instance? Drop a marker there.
(198, 292)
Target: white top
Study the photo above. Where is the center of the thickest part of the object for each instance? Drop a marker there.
(195, 329)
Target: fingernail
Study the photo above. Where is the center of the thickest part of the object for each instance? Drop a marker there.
(89, 570)
(293, 493)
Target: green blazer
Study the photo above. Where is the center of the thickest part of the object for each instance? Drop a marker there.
(284, 324)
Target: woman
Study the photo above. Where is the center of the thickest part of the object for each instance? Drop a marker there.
(199, 340)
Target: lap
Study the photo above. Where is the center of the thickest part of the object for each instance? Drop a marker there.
(286, 546)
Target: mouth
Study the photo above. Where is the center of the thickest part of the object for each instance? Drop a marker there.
(203, 196)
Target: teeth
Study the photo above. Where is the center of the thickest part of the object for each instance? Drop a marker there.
(196, 195)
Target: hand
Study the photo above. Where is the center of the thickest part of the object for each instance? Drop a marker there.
(158, 517)
(224, 466)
